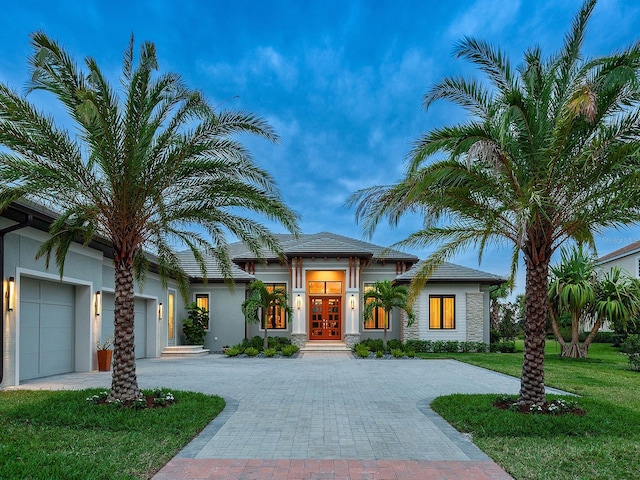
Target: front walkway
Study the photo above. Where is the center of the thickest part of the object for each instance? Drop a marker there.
(321, 416)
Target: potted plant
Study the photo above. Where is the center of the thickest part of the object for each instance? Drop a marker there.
(194, 326)
(105, 353)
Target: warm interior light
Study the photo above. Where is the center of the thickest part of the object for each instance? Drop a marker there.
(160, 311)
(10, 288)
(353, 302)
(98, 305)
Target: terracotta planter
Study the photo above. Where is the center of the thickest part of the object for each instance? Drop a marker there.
(104, 360)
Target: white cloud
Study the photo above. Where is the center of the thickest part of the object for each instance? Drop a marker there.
(485, 17)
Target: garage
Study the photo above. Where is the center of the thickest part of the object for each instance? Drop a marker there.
(140, 325)
(47, 328)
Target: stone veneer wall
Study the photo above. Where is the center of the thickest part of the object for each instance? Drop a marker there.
(350, 339)
(410, 332)
(475, 316)
(299, 339)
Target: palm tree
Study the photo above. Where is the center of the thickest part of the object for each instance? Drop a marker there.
(549, 153)
(266, 300)
(387, 296)
(572, 289)
(143, 166)
(576, 288)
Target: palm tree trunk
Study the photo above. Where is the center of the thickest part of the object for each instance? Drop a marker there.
(124, 382)
(532, 380)
(556, 330)
(265, 342)
(573, 350)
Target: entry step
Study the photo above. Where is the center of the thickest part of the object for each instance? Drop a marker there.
(324, 346)
(184, 351)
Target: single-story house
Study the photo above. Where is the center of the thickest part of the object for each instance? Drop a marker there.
(51, 325)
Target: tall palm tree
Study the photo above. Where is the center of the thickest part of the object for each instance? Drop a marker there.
(265, 300)
(143, 166)
(549, 153)
(387, 296)
(572, 289)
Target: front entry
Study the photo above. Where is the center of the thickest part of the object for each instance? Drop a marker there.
(325, 318)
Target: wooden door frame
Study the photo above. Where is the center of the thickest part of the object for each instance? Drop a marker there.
(325, 299)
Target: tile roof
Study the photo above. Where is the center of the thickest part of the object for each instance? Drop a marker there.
(448, 272)
(323, 244)
(192, 268)
(631, 248)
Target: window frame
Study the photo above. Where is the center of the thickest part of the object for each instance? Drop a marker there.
(171, 313)
(377, 322)
(207, 295)
(442, 297)
(283, 312)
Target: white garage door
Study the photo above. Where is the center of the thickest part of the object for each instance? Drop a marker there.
(140, 323)
(47, 328)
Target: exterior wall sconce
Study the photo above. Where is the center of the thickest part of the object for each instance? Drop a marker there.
(10, 289)
(160, 311)
(298, 302)
(98, 303)
(352, 302)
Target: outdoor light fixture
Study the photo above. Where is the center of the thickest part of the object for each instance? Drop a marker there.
(160, 311)
(10, 287)
(98, 304)
(353, 302)
(298, 302)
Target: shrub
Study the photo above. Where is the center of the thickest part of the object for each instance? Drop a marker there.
(373, 344)
(503, 347)
(270, 352)
(195, 324)
(439, 346)
(252, 352)
(421, 346)
(634, 361)
(379, 354)
(254, 342)
(631, 345)
(411, 353)
(394, 344)
(397, 353)
(362, 351)
(232, 352)
(451, 346)
(289, 350)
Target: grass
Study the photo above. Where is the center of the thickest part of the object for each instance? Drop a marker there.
(57, 434)
(604, 444)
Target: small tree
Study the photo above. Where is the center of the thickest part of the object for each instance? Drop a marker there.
(576, 289)
(194, 326)
(387, 296)
(264, 302)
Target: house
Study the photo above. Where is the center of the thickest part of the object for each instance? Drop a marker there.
(51, 324)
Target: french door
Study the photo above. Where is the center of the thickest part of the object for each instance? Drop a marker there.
(325, 320)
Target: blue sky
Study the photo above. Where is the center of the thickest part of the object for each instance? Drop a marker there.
(341, 81)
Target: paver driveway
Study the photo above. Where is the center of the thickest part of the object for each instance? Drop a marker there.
(319, 406)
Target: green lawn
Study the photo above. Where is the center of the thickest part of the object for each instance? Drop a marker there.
(57, 434)
(604, 444)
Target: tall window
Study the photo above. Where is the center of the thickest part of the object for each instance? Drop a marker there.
(202, 301)
(275, 316)
(378, 318)
(171, 314)
(442, 312)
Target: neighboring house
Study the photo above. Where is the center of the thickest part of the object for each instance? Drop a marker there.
(627, 259)
(50, 326)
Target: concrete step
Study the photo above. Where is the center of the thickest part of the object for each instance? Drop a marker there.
(184, 351)
(325, 346)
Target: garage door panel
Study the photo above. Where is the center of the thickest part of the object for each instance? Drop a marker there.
(56, 293)
(47, 328)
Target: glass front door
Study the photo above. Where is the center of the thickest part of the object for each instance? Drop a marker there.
(325, 318)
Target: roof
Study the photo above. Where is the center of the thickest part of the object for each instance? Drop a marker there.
(323, 244)
(192, 268)
(621, 252)
(450, 272)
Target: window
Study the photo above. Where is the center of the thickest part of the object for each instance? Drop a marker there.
(275, 316)
(202, 301)
(379, 319)
(171, 311)
(442, 312)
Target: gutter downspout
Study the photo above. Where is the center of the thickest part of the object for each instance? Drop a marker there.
(3, 232)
